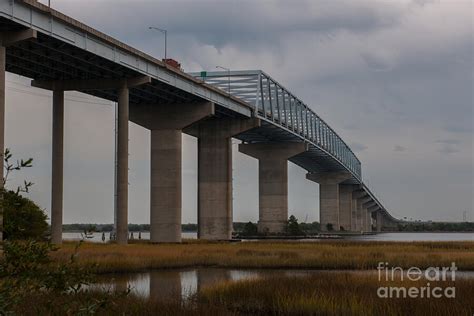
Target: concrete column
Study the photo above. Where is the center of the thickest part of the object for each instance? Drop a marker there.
(360, 217)
(122, 166)
(345, 206)
(165, 195)
(166, 122)
(329, 195)
(372, 213)
(360, 197)
(368, 220)
(2, 130)
(214, 187)
(273, 181)
(215, 175)
(363, 203)
(379, 221)
(57, 168)
(354, 222)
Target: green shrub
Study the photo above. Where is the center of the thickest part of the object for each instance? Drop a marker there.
(22, 218)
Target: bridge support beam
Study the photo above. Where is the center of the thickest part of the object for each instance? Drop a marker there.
(121, 216)
(329, 198)
(58, 87)
(354, 222)
(359, 197)
(379, 221)
(166, 122)
(345, 207)
(371, 211)
(273, 181)
(57, 168)
(362, 212)
(215, 175)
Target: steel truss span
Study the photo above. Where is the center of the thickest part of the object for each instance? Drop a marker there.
(278, 106)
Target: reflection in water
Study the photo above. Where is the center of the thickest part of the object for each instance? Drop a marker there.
(183, 284)
(165, 284)
(97, 237)
(209, 277)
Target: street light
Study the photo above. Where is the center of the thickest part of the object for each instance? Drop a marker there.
(228, 79)
(162, 31)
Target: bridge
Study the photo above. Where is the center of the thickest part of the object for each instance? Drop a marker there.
(61, 54)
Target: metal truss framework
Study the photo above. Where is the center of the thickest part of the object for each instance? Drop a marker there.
(276, 105)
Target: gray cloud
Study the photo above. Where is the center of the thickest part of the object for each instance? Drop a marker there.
(357, 147)
(399, 148)
(448, 146)
(448, 141)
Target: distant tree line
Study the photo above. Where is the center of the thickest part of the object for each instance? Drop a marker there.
(293, 227)
(242, 228)
(109, 227)
(436, 226)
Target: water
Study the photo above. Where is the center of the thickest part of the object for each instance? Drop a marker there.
(97, 237)
(428, 236)
(183, 284)
(402, 236)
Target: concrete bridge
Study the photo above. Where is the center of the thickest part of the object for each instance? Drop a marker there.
(61, 54)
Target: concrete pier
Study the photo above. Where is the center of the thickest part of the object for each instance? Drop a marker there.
(215, 175)
(345, 206)
(354, 222)
(360, 197)
(368, 221)
(372, 216)
(165, 194)
(57, 168)
(329, 195)
(379, 221)
(121, 86)
(166, 122)
(273, 181)
(122, 165)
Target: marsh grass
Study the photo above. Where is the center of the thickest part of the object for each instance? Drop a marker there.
(104, 303)
(112, 258)
(323, 294)
(333, 294)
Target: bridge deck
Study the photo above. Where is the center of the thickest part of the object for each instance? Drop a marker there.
(68, 49)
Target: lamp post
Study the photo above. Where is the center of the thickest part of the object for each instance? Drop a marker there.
(228, 78)
(162, 31)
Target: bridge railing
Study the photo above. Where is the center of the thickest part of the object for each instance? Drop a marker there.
(275, 103)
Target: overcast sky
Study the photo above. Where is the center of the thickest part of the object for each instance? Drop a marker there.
(393, 78)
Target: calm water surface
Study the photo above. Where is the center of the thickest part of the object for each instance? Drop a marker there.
(97, 237)
(182, 284)
(416, 237)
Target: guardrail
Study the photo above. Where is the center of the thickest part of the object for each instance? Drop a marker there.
(276, 104)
